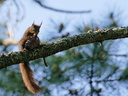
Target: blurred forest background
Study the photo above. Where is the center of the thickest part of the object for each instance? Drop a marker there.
(87, 70)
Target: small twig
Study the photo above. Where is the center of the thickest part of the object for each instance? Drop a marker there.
(59, 10)
(91, 81)
(106, 80)
(122, 55)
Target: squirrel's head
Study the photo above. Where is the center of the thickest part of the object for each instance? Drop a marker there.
(35, 29)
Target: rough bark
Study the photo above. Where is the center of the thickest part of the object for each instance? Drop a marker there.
(12, 58)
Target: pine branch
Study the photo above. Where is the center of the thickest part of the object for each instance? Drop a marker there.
(12, 58)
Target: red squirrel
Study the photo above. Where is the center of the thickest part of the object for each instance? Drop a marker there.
(29, 41)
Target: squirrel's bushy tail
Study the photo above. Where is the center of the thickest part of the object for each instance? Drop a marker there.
(28, 79)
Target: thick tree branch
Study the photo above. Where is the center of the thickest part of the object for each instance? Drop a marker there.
(58, 10)
(12, 58)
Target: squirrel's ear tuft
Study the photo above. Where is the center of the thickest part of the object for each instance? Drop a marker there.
(40, 24)
(33, 23)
